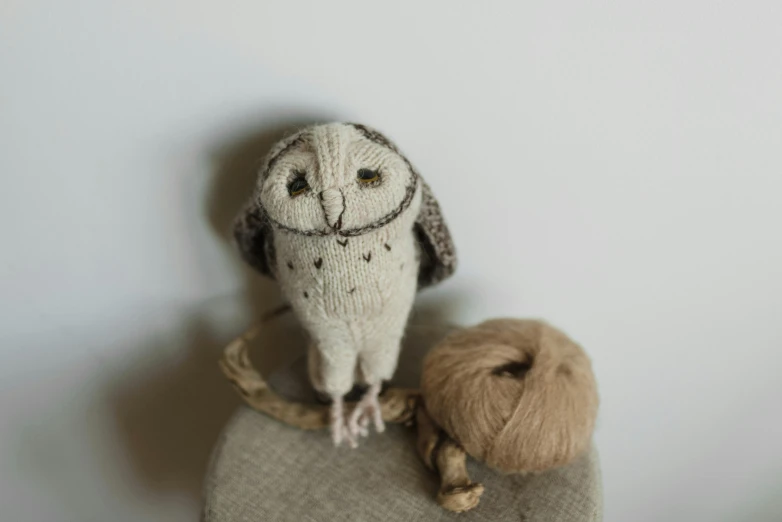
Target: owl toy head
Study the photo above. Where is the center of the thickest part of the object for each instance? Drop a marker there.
(341, 179)
(336, 179)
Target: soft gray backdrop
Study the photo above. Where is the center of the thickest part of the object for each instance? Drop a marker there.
(614, 167)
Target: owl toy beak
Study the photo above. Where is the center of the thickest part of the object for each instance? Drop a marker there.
(333, 202)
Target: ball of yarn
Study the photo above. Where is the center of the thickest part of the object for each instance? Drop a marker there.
(516, 394)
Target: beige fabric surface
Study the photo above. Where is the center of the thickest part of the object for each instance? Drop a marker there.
(264, 471)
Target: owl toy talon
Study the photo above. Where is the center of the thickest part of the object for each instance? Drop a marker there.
(341, 432)
(339, 427)
(363, 427)
(358, 425)
(368, 408)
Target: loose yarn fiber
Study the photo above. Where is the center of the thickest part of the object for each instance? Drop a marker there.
(517, 394)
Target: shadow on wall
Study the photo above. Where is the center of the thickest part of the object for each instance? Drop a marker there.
(169, 417)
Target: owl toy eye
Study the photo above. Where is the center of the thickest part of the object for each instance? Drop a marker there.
(299, 185)
(368, 175)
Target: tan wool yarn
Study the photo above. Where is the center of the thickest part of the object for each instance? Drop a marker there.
(517, 394)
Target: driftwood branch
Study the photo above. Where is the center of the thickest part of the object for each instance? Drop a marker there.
(442, 454)
(398, 405)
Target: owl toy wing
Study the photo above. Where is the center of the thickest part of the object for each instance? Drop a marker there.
(438, 255)
(254, 237)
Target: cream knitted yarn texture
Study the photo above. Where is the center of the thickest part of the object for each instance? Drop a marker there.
(345, 224)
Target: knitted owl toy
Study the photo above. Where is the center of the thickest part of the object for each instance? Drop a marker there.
(345, 224)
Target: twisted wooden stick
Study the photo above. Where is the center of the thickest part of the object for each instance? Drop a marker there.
(398, 405)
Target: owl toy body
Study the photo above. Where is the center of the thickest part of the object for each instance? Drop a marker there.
(350, 231)
(353, 295)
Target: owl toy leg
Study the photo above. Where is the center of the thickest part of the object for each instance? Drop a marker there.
(332, 371)
(377, 363)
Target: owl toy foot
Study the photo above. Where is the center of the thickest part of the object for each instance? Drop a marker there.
(339, 427)
(367, 409)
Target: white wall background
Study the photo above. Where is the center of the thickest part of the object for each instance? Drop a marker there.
(614, 167)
